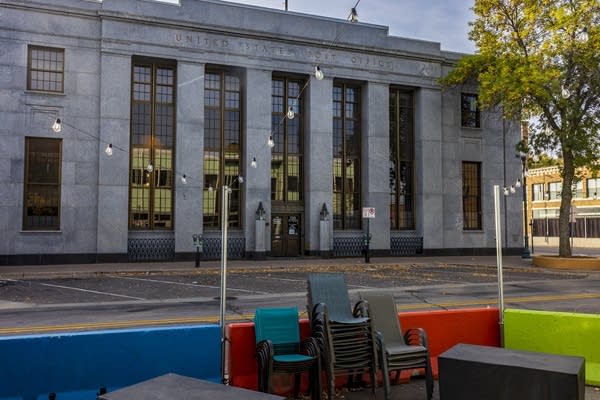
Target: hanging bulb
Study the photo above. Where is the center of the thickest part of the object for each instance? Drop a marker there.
(57, 125)
(512, 189)
(271, 142)
(290, 113)
(565, 93)
(184, 179)
(526, 173)
(253, 163)
(518, 183)
(505, 191)
(318, 73)
(240, 179)
(109, 150)
(585, 36)
(353, 15)
(150, 168)
(210, 189)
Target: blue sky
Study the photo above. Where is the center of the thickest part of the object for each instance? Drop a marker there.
(443, 21)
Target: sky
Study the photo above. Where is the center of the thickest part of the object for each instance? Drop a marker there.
(443, 21)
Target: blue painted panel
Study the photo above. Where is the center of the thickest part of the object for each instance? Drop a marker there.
(33, 366)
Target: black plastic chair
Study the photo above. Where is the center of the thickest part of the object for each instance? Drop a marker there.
(396, 351)
(346, 340)
(279, 350)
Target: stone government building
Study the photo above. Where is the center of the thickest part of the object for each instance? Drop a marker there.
(161, 105)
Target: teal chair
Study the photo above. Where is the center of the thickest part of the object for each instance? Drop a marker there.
(279, 350)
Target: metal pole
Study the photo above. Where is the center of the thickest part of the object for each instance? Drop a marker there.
(224, 223)
(526, 253)
(499, 261)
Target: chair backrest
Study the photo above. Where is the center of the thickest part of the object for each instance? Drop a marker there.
(280, 326)
(383, 313)
(330, 289)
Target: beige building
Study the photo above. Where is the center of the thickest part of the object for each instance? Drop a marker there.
(544, 186)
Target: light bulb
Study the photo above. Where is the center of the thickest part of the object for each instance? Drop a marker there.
(512, 189)
(253, 163)
(290, 113)
(353, 15)
(271, 142)
(210, 189)
(518, 183)
(585, 35)
(57, 125)
(318, 73)
(526, 173)
(240, 179)
(565, 93)
(150, 168)
(109, 150)
(184, 179)
(505, 191)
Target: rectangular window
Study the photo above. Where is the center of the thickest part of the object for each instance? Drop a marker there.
(286, 155)
(593, 187)
(469, 111)
(153, 91)
(578, 190)
(554, 189)
(538, 191)
(401, 160)
(222, 146)
(471, 184)
(346, 157)
(41, 204)
(45, 69)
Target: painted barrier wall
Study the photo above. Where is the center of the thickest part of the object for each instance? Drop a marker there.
(76, 365)
(444, 330)
(558, 333)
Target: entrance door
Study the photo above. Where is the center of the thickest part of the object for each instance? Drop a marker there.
(285, 235)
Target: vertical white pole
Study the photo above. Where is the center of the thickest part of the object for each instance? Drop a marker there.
(224, 225)
(499, 261)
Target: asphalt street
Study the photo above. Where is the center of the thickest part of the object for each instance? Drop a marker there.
(37, 299)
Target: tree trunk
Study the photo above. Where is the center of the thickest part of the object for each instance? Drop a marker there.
(564, 228)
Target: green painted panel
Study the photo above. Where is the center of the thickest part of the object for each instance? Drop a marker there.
(557, 333)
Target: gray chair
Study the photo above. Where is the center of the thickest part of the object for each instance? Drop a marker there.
(346, 340)
(396, 351)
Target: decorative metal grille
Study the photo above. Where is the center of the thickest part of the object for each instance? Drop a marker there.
(347, 246)
(406, 245)
(151, 249)
(211, 248)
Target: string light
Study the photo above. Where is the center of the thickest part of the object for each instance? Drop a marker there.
(290, 113)
(353, 15)
(253, 163)
(518, 183)
(109, 150)
(150, 168)
(271, 142)
(57, 125)
(318, 73)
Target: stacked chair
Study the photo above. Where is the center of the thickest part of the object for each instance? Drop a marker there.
(396, 352)
(279, 350)
(346, 339)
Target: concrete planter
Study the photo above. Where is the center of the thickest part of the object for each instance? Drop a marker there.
(574, 262)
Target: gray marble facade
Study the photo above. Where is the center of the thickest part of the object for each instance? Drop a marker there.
(101, 37)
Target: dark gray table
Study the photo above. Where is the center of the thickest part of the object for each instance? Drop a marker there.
(177, 387)
(481, 372)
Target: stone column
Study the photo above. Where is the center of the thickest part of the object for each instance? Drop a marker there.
(113, 172)
(428, 171)
(257, 128)
(319, 170)
(189, 155)
(375, 161)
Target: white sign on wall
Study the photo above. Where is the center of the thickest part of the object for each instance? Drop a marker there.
(368, 212)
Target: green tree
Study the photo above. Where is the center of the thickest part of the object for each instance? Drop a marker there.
(539, 60)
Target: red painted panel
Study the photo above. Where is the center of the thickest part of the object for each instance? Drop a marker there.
(444, 328)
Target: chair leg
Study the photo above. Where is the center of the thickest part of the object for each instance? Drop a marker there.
(429, 379)
(297, 383)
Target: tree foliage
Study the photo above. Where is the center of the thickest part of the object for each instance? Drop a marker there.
(540, 61)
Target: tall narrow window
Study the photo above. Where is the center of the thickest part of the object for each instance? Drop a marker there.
(593, 187)
(538, 191)
(41, 204)
(471, 177)
(152, 143)
(401, 160)
(554, 190)
(346, 156)
(469, 115)
(222, 145)
(286, 161)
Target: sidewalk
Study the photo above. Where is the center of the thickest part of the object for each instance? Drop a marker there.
(69, 270)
